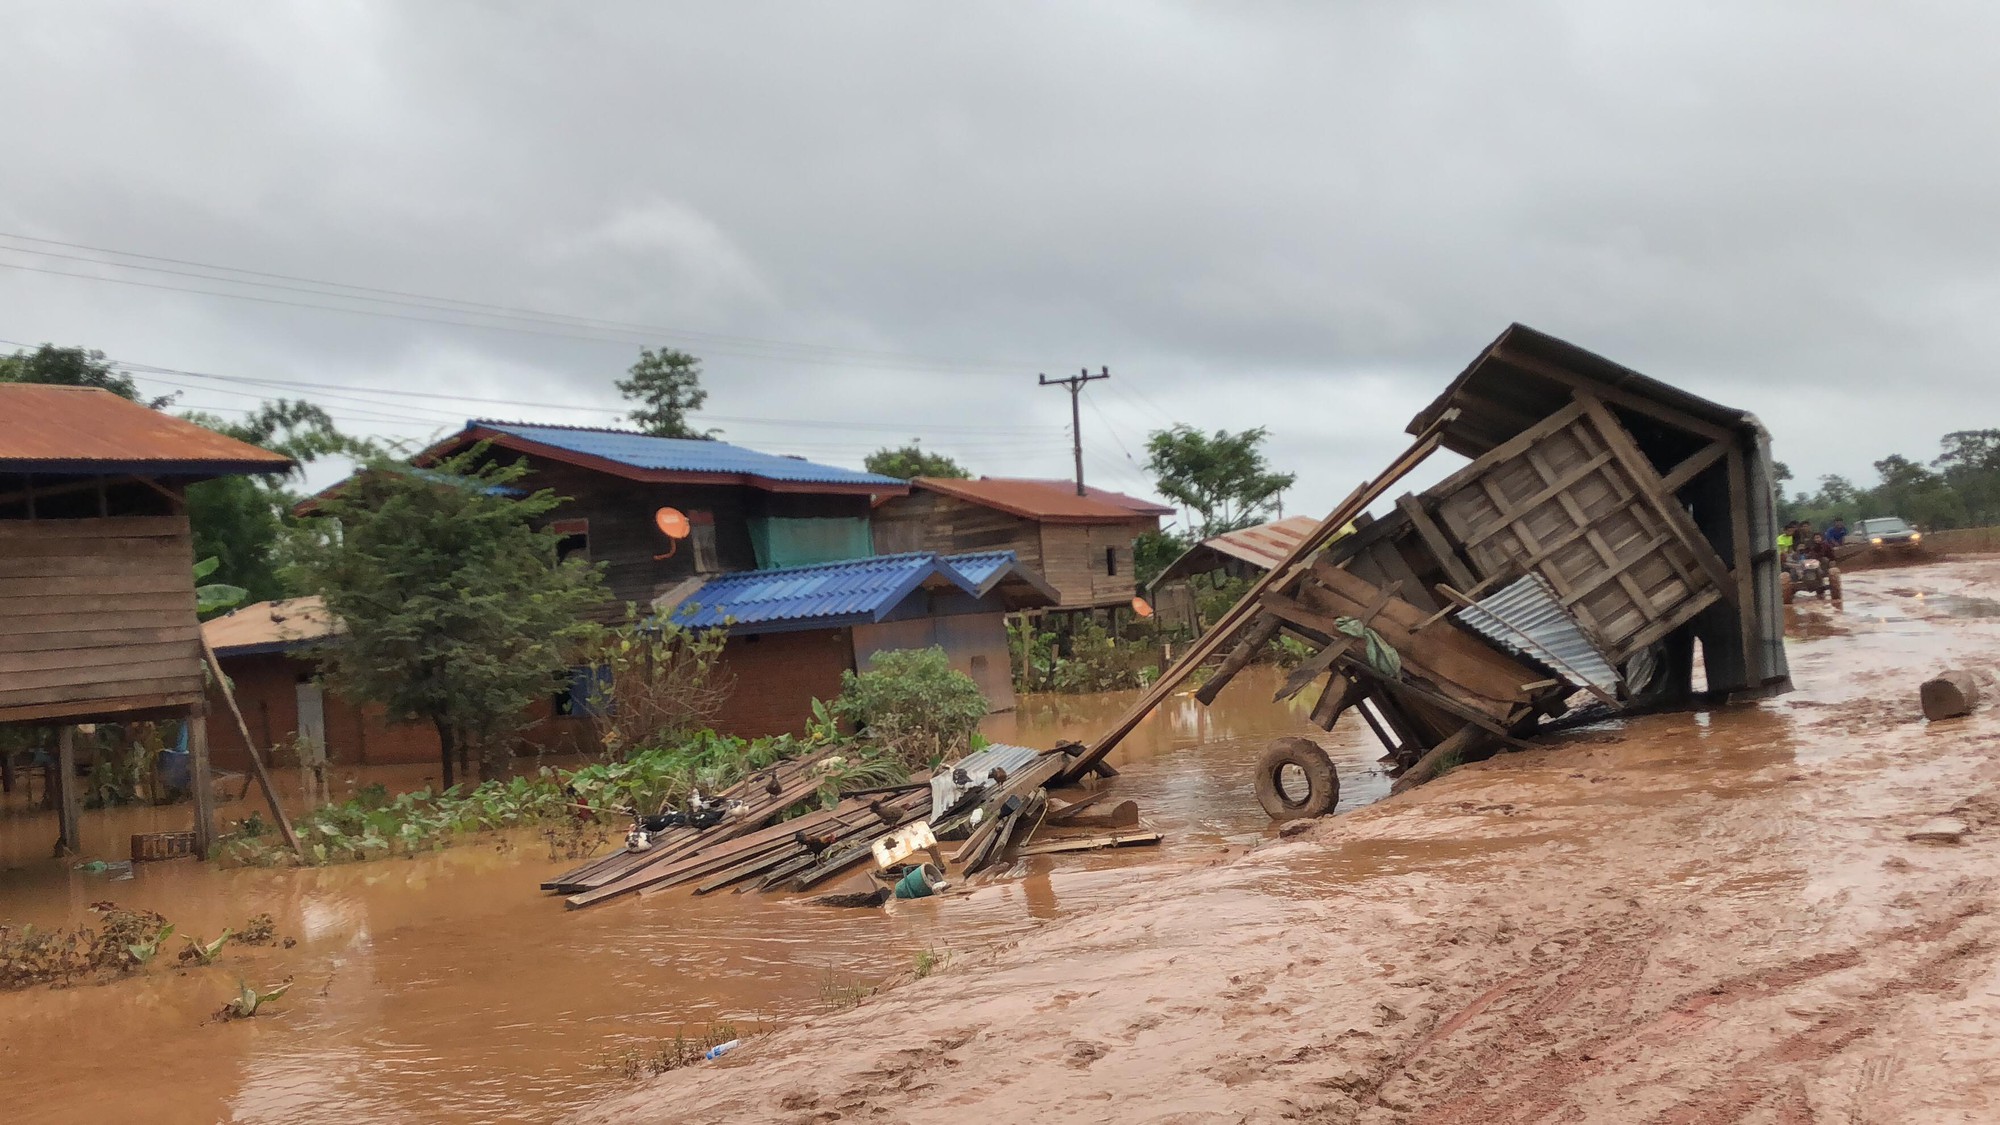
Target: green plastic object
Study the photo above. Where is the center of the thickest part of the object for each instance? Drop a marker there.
(919, 882)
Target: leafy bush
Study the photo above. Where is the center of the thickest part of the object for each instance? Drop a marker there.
(914, 705)
(1098, 660)
(127, 940)
(662, 682)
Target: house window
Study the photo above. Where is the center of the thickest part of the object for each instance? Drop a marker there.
(1111, 561)
(701, 538)
(573, 539)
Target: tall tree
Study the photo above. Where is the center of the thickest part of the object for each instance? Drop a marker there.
(1223, 476)
(239, 521)
(912, 461)
(72, 367)
(667, 386)
(454, 607)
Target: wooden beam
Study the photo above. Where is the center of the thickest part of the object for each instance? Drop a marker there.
(1637, 404)
(1434, 538)
(250, 748)
(1692, 467)
(1090, 843)
(1620, 443)
(1510, 512)
(1277, 577)
(1434, 760)
(203, 781)
(1746, 577)
(69, 816)
(1254, 641)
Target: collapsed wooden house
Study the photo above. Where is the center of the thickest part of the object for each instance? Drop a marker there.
(1608, 527)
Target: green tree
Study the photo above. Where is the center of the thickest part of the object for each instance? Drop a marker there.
(1971, 466)
(667, 386)
(71, 367)
(1153, 551)
(454, 608)
(1223, 477)
(239, 520)
(912, 461)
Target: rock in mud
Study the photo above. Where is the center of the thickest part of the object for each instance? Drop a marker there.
(1949, 695)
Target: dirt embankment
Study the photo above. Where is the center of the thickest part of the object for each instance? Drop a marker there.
(1692, 919)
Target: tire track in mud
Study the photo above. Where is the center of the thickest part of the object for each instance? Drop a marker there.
(1500, 1083)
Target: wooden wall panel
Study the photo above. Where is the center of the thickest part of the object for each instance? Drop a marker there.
(98, 614)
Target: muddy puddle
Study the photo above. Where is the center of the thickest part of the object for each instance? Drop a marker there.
(447, 988)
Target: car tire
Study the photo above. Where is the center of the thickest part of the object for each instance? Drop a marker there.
(1322, 782)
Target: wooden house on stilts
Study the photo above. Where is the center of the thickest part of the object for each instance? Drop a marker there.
(97, 588)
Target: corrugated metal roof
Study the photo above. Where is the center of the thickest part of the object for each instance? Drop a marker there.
(51, 429)
(278, 626)
(658, 457)
(810, 597)
(1022, 586)
(1046, 501)
(1527, 618)
(1013, 759)
(1266, 544)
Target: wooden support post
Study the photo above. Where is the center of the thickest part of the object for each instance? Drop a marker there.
(1438, 757)
(250, 748)
(1741, 554)
(69, 817)
(1253, 643)
(1434, 538)
(204, 783)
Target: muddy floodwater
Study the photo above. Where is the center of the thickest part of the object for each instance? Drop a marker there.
(448, 988)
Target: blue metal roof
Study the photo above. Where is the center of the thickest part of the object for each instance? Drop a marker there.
(685, 455)
(983, 567)
(860, 591)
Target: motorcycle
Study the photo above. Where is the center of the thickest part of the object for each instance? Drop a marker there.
(1810, 576)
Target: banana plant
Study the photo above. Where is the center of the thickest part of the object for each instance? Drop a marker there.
(204, 953)
(248, 1000)
(213, 597)
(143, 951)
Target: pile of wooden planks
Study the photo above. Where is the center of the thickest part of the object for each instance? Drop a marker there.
(757, 851)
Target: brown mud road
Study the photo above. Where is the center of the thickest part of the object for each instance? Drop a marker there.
(1696, 919)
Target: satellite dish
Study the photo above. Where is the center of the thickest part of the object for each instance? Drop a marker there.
(1140, 607)
(671, 523)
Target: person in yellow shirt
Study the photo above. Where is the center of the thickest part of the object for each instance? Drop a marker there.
(1785, 539)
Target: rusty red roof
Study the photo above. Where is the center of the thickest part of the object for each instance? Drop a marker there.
(1046, 501)
(52, 429)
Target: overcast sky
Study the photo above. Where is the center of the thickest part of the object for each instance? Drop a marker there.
(881, 221)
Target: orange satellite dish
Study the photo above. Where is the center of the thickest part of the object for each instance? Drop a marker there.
(671, 523)
(1140, 607)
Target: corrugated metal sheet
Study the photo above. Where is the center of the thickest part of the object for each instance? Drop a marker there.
(1047, 501)
(1527, 618)
(277, 626)
(1013, 759)
(1020, 585)
(48, 429)
(806, 597)
(1266, 544)
(682, 455)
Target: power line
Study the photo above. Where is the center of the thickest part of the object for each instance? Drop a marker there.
(756, 347)
(1074, 384)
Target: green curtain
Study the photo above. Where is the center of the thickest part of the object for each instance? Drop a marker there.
(781, 541)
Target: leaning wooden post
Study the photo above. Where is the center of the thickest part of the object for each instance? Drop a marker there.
(1436, 759)
(69, 817)
(250, 748)
(202, 780)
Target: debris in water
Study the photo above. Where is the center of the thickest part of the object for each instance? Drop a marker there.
(1943, 830)
(1949, 694)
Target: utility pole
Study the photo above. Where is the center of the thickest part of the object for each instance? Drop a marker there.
(1075, 384)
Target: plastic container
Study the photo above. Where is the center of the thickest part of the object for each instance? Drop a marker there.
(721, 1049)
(922, 881)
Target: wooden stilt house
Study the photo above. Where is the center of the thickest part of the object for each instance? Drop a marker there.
(97, 603)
